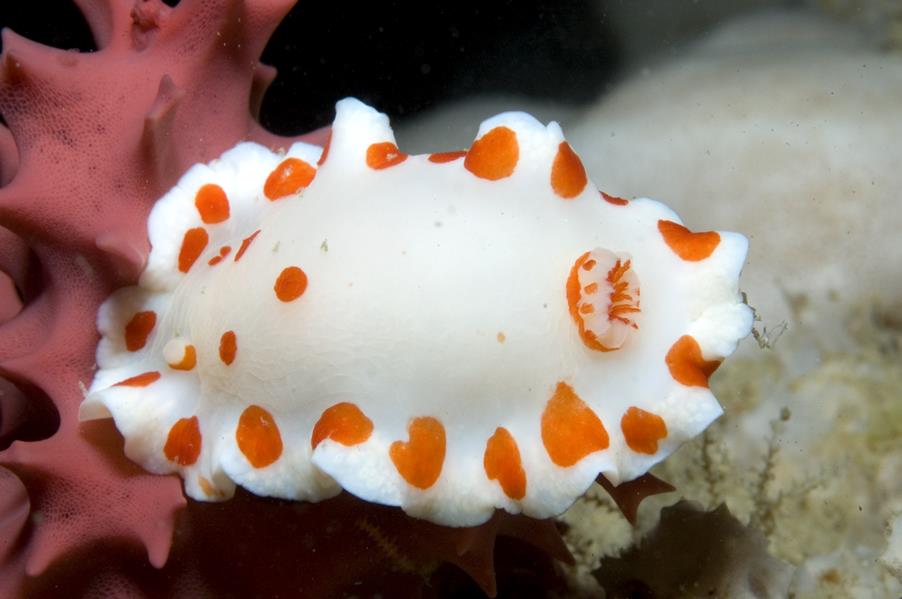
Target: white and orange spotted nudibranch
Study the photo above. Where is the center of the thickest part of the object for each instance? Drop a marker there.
(450, 333)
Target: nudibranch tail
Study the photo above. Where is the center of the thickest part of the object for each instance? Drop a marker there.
(450, 333)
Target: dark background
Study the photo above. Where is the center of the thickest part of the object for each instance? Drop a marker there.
(400, 56)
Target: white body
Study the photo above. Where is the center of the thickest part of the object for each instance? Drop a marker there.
(431, 292)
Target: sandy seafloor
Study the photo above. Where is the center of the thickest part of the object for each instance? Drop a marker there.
(787, 127)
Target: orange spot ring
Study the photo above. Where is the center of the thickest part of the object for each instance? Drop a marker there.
(568, 175)
(614, 199)
(383, 155)
(228, 347)
(212, 204)
(291, 284)
(292, 175)
(140, 380)
(494, 155)
(419, 461)
(183, 442)
(258, 437)
(570, 429)
(193, 244)
(689, 246)
(344, 423)
(501, 462)
(245, 243)
(686, 365)
(138, 329)
(642, 430)
(188, 361)
(443, 157)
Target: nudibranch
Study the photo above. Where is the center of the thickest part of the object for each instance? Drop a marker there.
(450, 333)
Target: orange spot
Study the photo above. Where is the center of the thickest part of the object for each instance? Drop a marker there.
(591, 288)
(138, 329)
(687, 365)
(188, 361)
(223, 252)
(686, 244)
(288, 178)
(206, 486)
(502, 463)
(140, 380)
(193, 244)
(291, 284)
(642, 430)
(258, 437)
(183, 443)
(501, 337)
(328, 144)
(212, 204)
(568, 176)
(228, 347)
(570, 429)
(614, 200)
(494, 155)
(344, 423)
(244, 244)
(420, 460)
(383, 155)
(442, 157)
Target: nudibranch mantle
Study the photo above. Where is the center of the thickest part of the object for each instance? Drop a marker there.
(449, 333)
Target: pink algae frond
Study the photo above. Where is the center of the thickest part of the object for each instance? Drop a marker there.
(93, 140)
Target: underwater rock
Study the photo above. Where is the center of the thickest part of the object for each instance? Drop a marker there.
(892, 557)
(786, 124)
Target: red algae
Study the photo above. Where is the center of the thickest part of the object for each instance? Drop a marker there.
(93, 140)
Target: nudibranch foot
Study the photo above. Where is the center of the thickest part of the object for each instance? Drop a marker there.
(450, 333)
